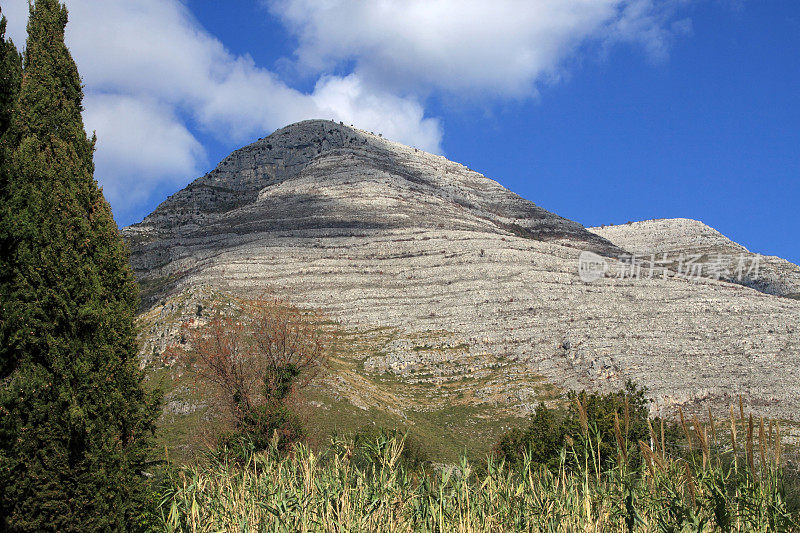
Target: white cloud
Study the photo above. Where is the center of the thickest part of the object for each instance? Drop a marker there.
(142, 148)
(649, 23)
(152, 74)
(397, 118)
(468, 47)
(155, 79)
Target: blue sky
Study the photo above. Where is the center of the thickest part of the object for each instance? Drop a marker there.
(603, 111)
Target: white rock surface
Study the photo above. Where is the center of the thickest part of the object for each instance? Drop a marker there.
(681, 237)
(376, 233)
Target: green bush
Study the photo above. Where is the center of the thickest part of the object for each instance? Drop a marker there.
(543, 440)
(791, 482)
(264, 426)
(621, 413)
(616, 420)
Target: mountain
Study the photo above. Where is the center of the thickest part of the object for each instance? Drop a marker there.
(319, 179)
(681, 237)
(455, 295)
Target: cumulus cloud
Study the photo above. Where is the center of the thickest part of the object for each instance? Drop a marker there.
(474, 47)
(398, 118)
(142, 148)
(154, 79)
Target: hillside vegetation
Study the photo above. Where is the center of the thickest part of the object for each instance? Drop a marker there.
(451, 412)
(596, 462)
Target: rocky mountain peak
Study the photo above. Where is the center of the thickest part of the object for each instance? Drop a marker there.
(322, 176)
(684, 239)
(237, 179)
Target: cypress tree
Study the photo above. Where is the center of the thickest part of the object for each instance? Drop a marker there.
(75, 421)
(10, 75)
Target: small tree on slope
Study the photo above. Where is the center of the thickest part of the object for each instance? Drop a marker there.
(251, 363)
(75, 422)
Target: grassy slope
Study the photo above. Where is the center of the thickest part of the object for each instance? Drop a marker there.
(451, 411)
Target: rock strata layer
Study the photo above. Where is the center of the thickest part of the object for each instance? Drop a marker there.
(688, 244)
(378, 234)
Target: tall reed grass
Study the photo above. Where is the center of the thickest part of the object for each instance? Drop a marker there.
(724, 477)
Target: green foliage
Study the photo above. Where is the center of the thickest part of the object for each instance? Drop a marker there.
(792, 486)
(263, 426)
(550, 430)
(10, 79)
(541, 442)
(76, 423)
(278, 381)
(10, 76)
(628, 406)
(272, 422)
(369, 443)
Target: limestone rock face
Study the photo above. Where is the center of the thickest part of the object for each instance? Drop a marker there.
(322, 178)
(681, 239)
(378, 234)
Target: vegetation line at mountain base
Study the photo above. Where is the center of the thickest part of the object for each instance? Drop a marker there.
(711, 485)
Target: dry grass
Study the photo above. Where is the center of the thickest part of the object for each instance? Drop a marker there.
(711, 485)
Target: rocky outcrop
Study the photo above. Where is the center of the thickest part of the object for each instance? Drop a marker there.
(685, 242)
(377, 234)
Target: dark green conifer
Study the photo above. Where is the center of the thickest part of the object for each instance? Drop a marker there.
(10, 76)
(75, 421)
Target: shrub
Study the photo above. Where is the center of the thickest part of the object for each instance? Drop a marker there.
(543, 439)
(275, 426)
(370, 441)
(616, 420)
(252, 363)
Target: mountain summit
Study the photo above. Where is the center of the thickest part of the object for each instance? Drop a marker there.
(320, 177)
(479, 287)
